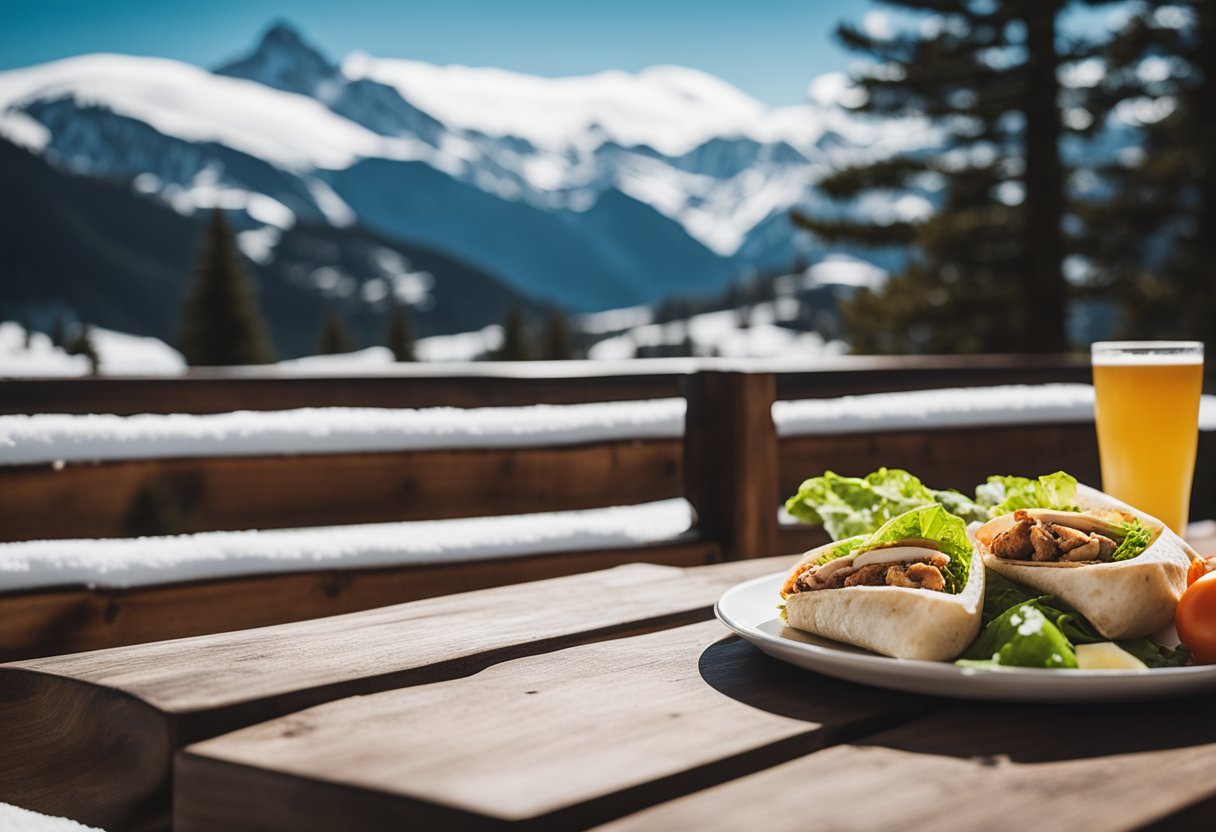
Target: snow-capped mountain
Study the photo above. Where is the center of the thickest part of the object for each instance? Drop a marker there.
(590, 192)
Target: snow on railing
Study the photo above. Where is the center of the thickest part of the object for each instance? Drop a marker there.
(121, 563)
(52, 437)
(43, 438)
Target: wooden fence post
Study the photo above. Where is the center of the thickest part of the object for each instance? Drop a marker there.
(730, 460)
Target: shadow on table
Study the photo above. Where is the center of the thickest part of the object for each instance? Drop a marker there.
(1041, 732)
(736, 669)
(984, 731)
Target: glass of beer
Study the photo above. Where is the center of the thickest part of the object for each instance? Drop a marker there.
(1146, 405)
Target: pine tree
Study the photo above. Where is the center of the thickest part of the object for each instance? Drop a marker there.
(399, 337)
(987, 267)
(557, 343)
(1152, 225)
(57, 333)
(334, 339)
(222, 325)
(81, 343)
(516, 339)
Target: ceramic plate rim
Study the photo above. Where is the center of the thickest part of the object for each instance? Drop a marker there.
(944, 672)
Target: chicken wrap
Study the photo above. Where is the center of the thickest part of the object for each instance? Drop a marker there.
(908, 590)
(1120, 568)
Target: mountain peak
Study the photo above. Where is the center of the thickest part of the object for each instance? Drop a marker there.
(283, 60)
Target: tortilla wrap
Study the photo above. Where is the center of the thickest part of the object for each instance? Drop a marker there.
(1123, 599)
(893, 620)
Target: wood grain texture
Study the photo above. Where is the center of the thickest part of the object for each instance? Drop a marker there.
(555, 741)
(858, 375)
(218, 390)
(127, 498)
(730, 461)
(70, 620)
(194, 688)
(978, 766)
(958, 458)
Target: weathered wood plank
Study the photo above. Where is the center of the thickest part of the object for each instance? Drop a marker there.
(70, 620)
(498, 385)
(972, 766)
(730, 460)
(948, 458)
(858, 375)
(172, 496)
(556, 741)
(218, 391)
(68, 718)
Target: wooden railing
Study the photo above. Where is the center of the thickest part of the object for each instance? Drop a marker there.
(505, 384)
(730, 464)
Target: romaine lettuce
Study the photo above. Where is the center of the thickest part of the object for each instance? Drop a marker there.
(1021, 629)
(849, 506)
(930, 522)
(1023, 636)
(1001, 495)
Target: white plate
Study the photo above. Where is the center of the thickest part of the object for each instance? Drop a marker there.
(750, 609)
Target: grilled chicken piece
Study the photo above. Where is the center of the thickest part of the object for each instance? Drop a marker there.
(916, 576)
(1014, 542)
(1031, 539)
(1067, 538)
(1044, 544)
(873, 575)
(1086, 551)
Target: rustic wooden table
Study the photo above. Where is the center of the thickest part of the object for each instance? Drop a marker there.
(607, 700)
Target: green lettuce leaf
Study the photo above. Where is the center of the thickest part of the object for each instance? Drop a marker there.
(930, 522)
(1001, 495)
(850, 506)
(1023, 636)
(960, 505)
(1002, 596)
(1154, 654)
(1136, 539)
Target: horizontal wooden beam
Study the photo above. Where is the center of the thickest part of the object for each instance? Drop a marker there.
(70, 620)
(875, 374)
(959, 458)
(220, 392)
(489, 384)
(128, 498)
(95, 732)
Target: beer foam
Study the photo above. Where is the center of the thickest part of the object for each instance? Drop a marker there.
(1149, 359)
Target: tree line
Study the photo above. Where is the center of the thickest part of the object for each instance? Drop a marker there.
(1030, 212)
(223, 326)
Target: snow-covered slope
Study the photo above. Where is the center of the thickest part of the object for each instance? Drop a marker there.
(643, 185)
(118, 353)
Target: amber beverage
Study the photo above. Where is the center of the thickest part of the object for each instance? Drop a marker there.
(1146, 405)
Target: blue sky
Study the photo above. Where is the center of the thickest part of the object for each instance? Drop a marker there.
(769, 48)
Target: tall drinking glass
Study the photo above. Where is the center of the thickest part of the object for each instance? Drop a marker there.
(1146, 404)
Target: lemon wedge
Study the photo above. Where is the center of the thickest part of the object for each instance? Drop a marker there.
(1107, 655)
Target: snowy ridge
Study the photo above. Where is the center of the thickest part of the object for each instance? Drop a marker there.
(16, 819)
(123, 563)
(320, 139)
(53, 437)
(1015, 404)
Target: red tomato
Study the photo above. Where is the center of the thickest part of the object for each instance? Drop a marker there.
(1195, 619)
(1199, 568)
